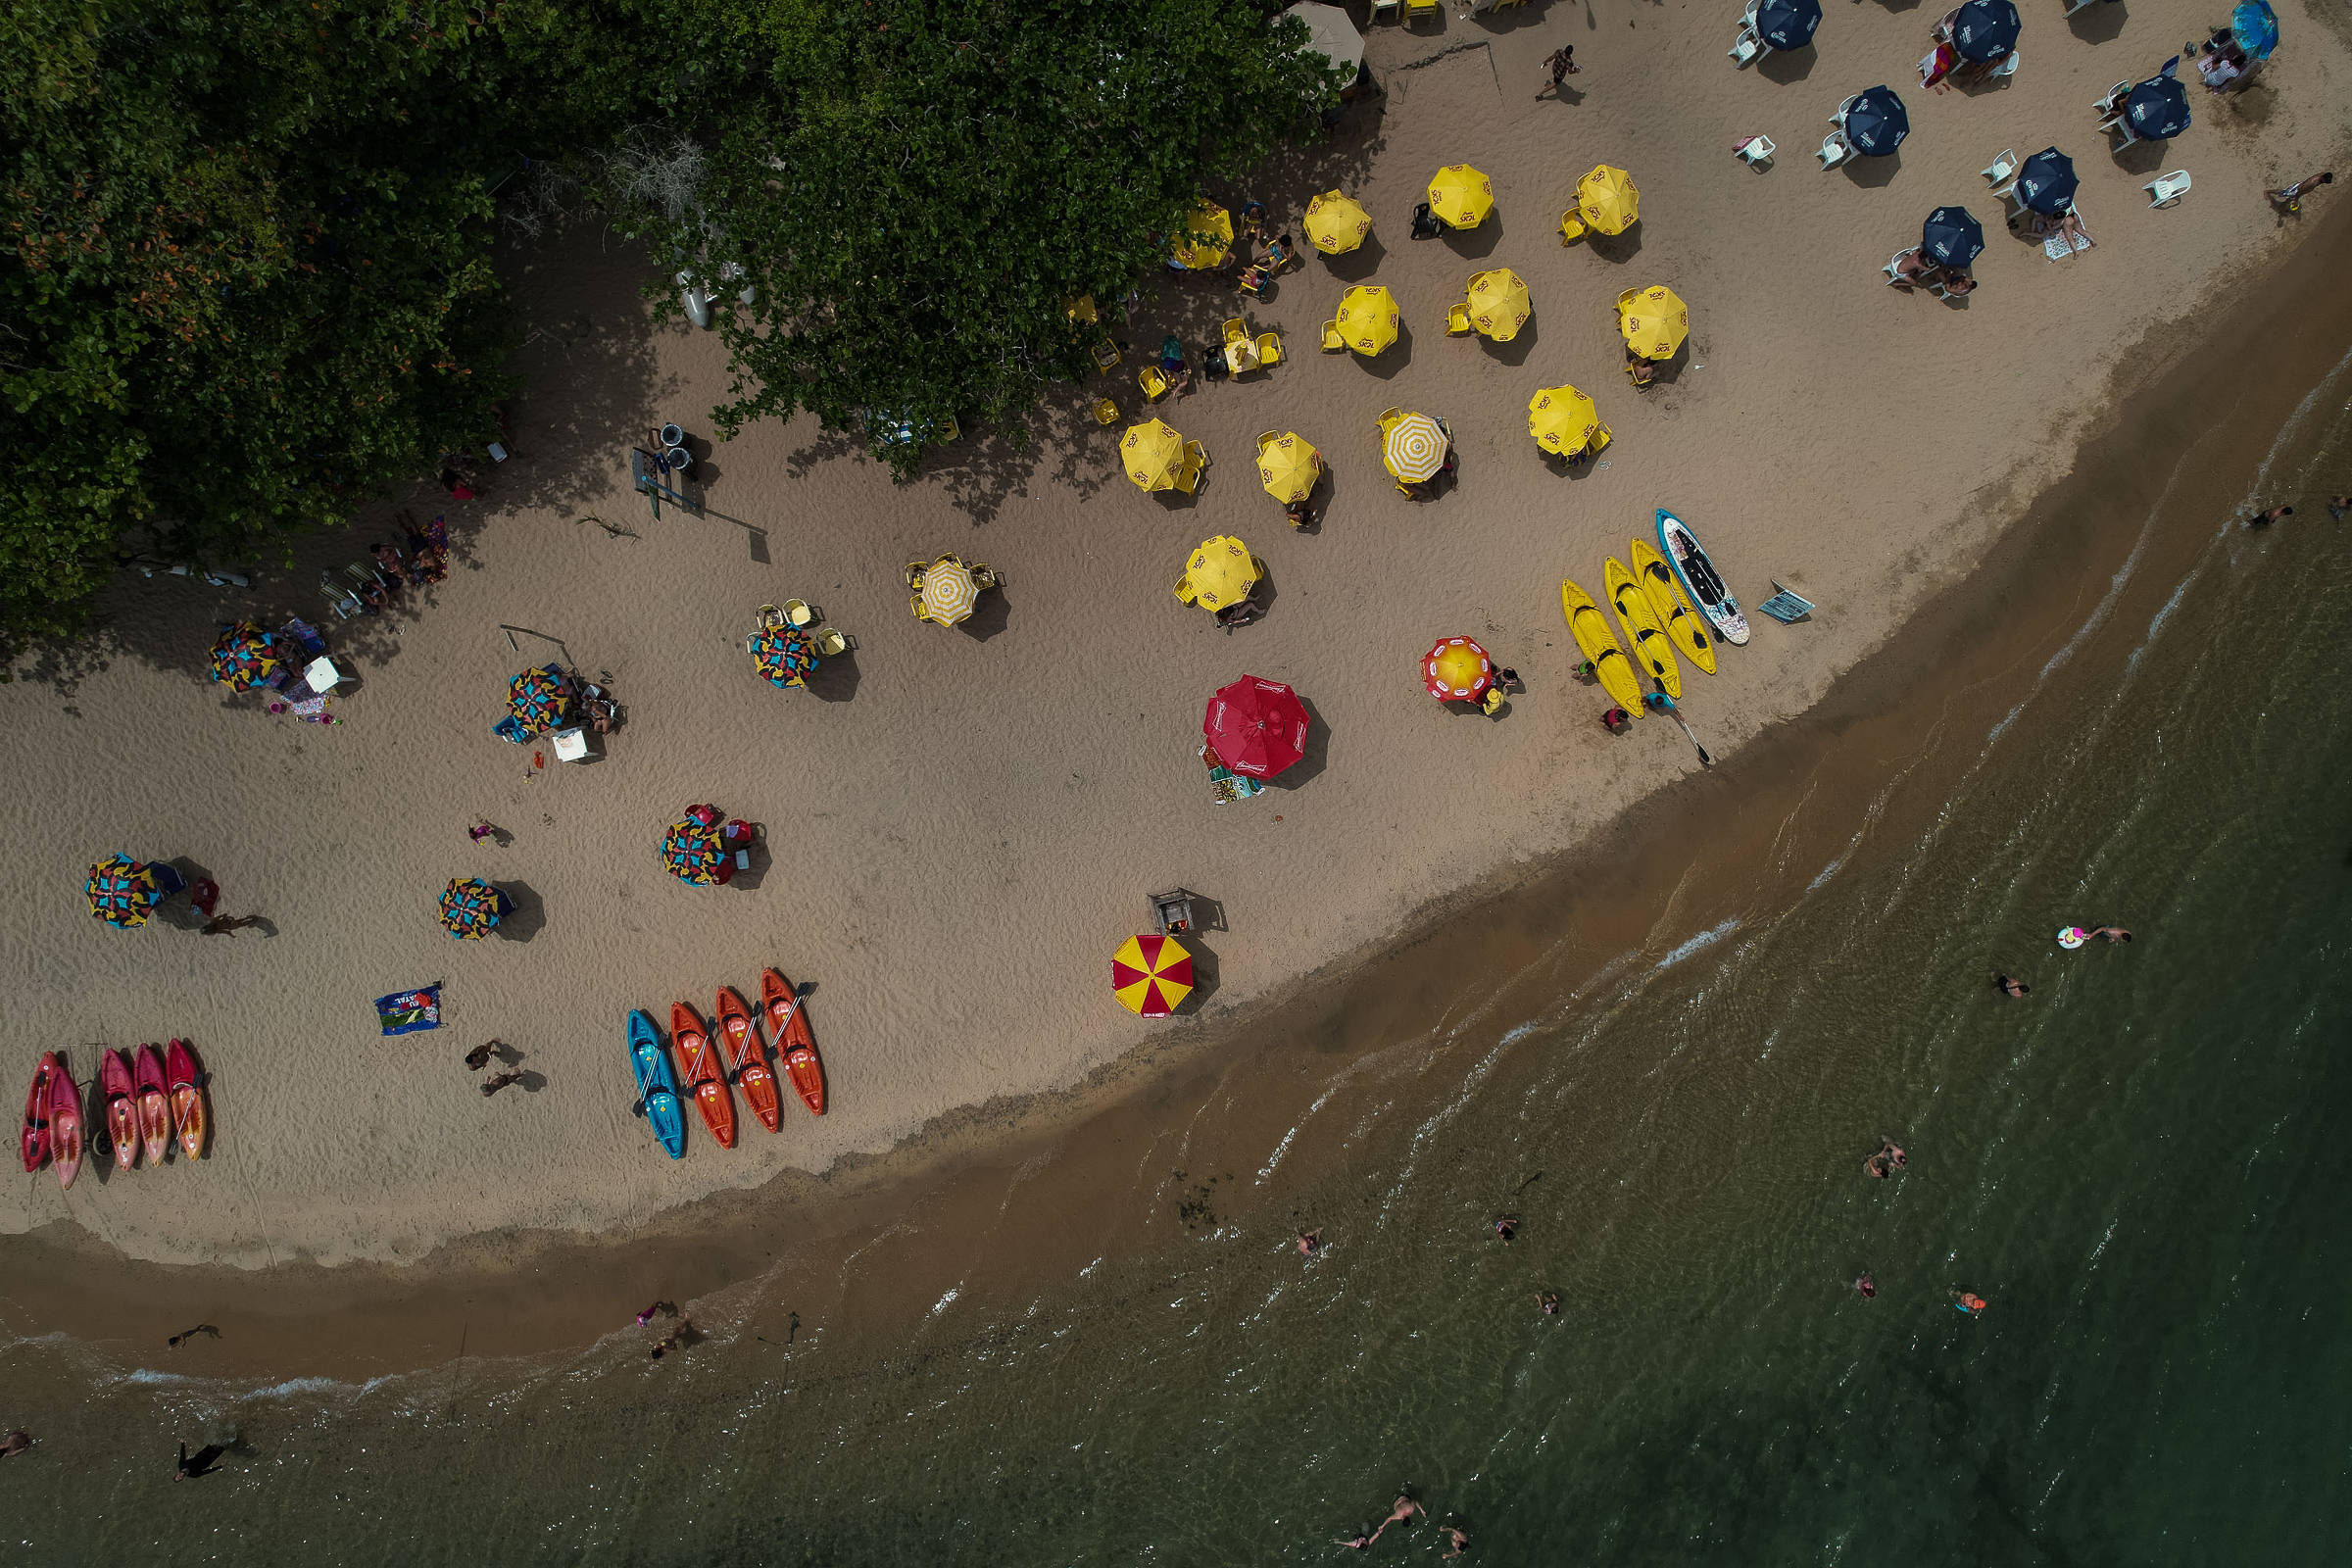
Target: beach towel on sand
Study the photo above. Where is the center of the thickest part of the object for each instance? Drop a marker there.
(403, 1013)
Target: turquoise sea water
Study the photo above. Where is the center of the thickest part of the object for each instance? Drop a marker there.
(2139, 1166)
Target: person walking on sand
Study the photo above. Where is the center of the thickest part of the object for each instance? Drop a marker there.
(1561, 64)
(667, 1309)
(2263, 519)
(498, 1080)
(2290, 197)
(479, 1056)
(483, 830)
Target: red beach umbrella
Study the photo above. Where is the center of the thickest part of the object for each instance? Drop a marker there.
(1257, 727)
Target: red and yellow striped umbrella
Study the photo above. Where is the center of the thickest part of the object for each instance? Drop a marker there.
(1150, 975)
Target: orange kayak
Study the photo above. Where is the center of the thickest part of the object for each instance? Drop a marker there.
(184, 1086)
(121, 1115)
(789, 1031)
(698, 1071)
(155, 1108)
(740, 1035)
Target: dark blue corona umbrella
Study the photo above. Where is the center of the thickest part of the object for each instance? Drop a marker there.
(1951, 238)
(1877, 123)
(1985, 29)
(1788, 24)
(2048, 182)
(2157, 108)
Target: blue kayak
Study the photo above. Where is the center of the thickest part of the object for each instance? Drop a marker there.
(657, 1085)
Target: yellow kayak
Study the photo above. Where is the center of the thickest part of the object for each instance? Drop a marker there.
(1593, 635)
(1652, 653)
(1683, 628)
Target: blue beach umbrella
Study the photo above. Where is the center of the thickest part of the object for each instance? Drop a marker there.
(1788, 24)
(1877, 123)
(1951, 238)
(2157, 109)
(1985, 29)
(2047, 183)
(2255, 27)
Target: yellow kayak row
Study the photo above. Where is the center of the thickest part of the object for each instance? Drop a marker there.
(1657, 620)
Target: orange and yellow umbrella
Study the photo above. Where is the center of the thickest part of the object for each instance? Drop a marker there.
(1461, 196)
(1151, 453)
(1654, 321)
(1335, 224)
(1498, 305)
(1457, 671)
(1150, 975)
(1367, 319)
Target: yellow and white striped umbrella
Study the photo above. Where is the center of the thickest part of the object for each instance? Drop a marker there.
(1461, 196)
(948, 591)
(1498, 305)
(1561, 420)
(1367, 319)
(1413, 448)
(1335, 224)
(1152, 452)
(1655, 321)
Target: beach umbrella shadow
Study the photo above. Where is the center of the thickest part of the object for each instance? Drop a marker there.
(526, 914)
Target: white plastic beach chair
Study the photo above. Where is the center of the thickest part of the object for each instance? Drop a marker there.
(1756, 151)
(1394, 9)
(1747, 48)
(2120, 127)
(1835, 150)
(2007, 67)
(2073, 6)
(572, 744)
(2003, 166)
(1894, 264)
(1844, 108)
(2168, 188)
(2107, 107)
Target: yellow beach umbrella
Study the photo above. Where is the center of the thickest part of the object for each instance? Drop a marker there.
(1413, 448)
(1207, 237)
(1367, 319)
(1654, 320)
(1335, 224)
(1151, 453)
(1607, 200)
(1219, 576)
(1289, 466)
(1561, 419)
(1498, 305)
(1461, 196)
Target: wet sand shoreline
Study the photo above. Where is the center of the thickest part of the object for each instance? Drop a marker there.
(1000, 1199)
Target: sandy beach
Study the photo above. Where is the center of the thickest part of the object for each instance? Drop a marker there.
(962, 824)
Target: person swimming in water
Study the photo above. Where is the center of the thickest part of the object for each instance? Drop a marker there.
(1867, 1285)
(1506, 1225)
(2009, 985)
(1308, 1241)
(1967, 1304)
(2113, 933)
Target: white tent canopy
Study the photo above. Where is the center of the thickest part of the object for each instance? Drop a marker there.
(1329, 32)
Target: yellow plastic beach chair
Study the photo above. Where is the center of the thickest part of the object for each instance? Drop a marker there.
(1599, 441)
(1186, 592)
(1457, 320)
(1388, 417)
(1421, 8)
(916, 603)
(1196, 456)
(916, 571)
(832, 644)
(1269, 350)
(1106, 411)
(1237, 331)
(1571, 226)
(1333, 343)
(1154, 384)
(798, 613)
(1265, 438)
(1188, 477)
(1106, 355)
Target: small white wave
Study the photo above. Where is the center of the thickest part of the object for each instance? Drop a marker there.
(1275, 1158)
(1705, 938)
(940, 1305)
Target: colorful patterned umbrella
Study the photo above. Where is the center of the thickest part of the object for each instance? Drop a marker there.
(1335, 224)
(1150, 975)
(1413, 448)
(693, 852)
(1255, 726)
(1499, 306)
(244, 657)
(1367, 319)
(1461, 196)
(1561, 419)
(1655, 321)
(784, 654)
(539, 699)
(123, 891)
(950, 591)
(468, 908)
(1457, 671)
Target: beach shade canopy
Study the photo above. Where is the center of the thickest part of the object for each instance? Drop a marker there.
(949, 590)
(785, 654)
(1331, 34)
(692, 850)
(1257, 727)
(1457, 671)
(1655, 321)
(1951, 238)
(1607, 200)
(539, 699)
(1985, 29)
(1561, 420)
(1788, 24)
(1499, 306)
(1289, 466)
(468, 908)
(2255, 27)
(1207, 237)
(1335, 224)
(2046, 183)
(1150, 975)
(1461, 196)
(1219, 575)
(1367, 319)
(1151, 453)
(244, 656)
(1413, 448)
(1877, 123)
(123, 891)
(2157, 109)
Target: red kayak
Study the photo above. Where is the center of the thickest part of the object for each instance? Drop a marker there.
(184, 1083)
(64, 1125)
(741, 1036)
(155, 1105)
(121, 1108)
(788, 1028)
(698, 1071)
(36, 1111)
